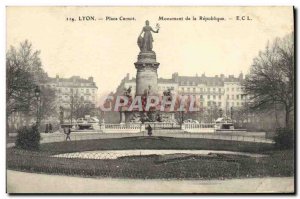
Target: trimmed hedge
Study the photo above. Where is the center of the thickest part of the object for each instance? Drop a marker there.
(284, 138)
(28, 138)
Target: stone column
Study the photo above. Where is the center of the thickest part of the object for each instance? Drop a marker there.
(146, 73)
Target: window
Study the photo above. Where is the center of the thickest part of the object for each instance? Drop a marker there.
(232, 96)
(227, 89)
(227, 96)
(214, 97)
(201, 96)
(182, 89)
(87, 90)
(220, 97)
(208, 96)
(237, 96)
(201, 103)
(232, 89)
(208, 89)
(219, 103)
(214, 89)
(208, 103)
(237, 103)
(232, 103)
(220, 90)
(194, 90)
(188, 89)
(201, 89)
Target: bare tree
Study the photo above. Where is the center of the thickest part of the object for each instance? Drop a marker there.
(22, 68)
(23, 73)
(271, 80)
(79, 107)
(47, 106)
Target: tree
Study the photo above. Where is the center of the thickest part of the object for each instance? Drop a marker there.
(23, 73)
(79, 107)
(47, 106)
(271, 80)
(22, 69)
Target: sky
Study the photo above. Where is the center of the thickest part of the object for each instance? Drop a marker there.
(107, 49)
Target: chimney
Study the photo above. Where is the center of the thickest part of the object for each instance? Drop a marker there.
(91, 79)
(241, 76)
(127, 76)
(222, 76)
(175, 77)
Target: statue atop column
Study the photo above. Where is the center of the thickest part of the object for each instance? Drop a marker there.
(145, 42)
(146, 64)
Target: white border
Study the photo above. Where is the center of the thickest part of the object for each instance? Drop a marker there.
(5, 3)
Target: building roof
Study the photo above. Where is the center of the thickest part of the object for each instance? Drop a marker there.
(162, 80)
(76, 79)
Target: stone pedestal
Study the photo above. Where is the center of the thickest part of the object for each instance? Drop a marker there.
(122, 117)
(146, 73)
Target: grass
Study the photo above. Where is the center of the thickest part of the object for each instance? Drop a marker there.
(278, 163)
(154, 143)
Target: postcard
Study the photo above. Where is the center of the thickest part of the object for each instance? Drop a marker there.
(150, 100)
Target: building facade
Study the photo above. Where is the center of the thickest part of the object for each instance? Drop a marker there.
(67, 90)
(218, 91)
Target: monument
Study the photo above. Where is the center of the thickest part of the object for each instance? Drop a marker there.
(146, 80)
(146, 65)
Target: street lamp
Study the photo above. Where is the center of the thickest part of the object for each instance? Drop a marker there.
(37, 93)
(246, 106)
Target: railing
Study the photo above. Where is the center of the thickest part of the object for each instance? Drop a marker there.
(122, 126)
(199, 126)
(162, 125)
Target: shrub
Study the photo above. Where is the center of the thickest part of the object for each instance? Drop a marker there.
(284, 138)
(28, 138)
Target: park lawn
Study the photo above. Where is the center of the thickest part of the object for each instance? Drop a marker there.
(154, 143)
(278, 163)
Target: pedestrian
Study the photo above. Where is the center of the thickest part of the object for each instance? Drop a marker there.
(50, 128)
(149, 128)
(68, 133)
(47, 128)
